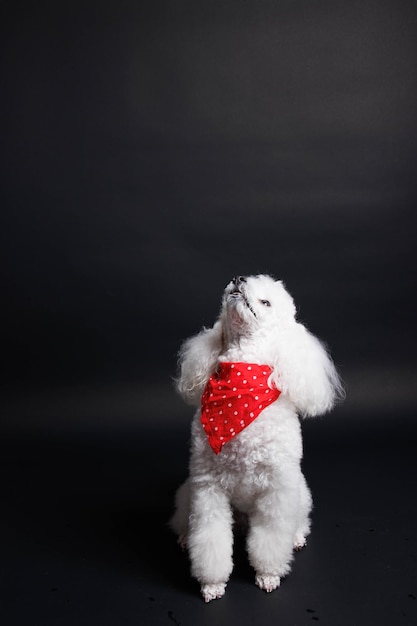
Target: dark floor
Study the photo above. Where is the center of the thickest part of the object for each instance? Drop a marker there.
(85, 541)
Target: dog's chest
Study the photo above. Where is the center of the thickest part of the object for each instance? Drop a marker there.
(255, 458)
(247, 475)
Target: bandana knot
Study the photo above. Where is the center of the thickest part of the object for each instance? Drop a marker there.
(234, 396)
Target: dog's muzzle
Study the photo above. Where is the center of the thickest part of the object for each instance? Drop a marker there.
(238, 291)
(238, 281)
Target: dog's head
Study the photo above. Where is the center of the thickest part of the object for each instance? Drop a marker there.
(256, 303)
(257, 322)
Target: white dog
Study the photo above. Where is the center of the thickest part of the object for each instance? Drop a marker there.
(252, 375)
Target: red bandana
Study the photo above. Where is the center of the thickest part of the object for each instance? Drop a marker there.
(234, 396)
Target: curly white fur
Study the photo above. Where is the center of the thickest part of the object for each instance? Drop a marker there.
(257, 473)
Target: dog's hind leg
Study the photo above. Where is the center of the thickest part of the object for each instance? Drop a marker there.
(306, 504)
(179, 521)
(210, 539)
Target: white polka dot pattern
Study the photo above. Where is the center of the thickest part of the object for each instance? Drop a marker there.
(234, 396)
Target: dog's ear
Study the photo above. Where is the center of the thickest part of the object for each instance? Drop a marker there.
(306, 373)
(197, 360)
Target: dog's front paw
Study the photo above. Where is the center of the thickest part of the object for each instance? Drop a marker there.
(213, 591)
(267, 582)
(299, 542)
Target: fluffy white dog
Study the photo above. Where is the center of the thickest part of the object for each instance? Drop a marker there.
(252, 375)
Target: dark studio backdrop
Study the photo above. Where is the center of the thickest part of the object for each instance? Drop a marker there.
(151, 151)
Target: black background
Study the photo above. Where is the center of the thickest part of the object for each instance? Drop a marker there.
(150, 151)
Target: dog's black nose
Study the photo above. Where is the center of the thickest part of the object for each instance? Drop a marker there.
(239, 279)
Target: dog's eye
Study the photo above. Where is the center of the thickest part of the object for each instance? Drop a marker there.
(265, 302)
